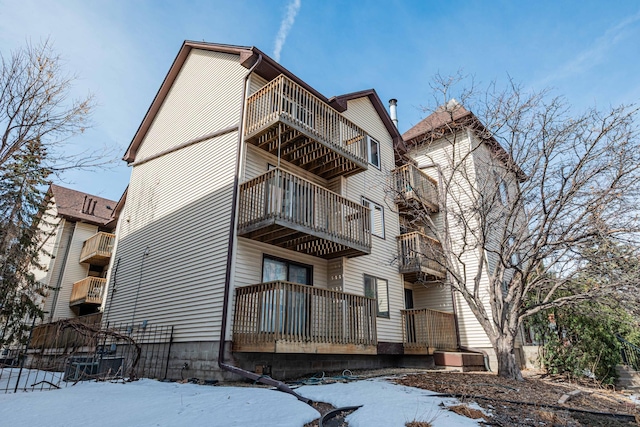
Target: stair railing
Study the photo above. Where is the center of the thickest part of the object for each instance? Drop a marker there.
(630, 353)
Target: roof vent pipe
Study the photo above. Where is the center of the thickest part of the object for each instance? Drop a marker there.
(393, 103)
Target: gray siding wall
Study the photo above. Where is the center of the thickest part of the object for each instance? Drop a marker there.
(178, 206)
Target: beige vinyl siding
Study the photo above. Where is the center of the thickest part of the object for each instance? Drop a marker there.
(371, 184)
(257, 161)
(49, 237)
(434, 297)
(255, 83)
(205, 97)
(442, 153)
(179, 207)
(249, 255)
(73, 270)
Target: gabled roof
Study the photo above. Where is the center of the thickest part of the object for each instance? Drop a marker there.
(341, 101)
(450, 118)
(268, 68)
(79, 206)
(443, 117)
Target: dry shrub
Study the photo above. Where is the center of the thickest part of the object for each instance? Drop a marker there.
(547, 416)
(465, 411)
(418, 424)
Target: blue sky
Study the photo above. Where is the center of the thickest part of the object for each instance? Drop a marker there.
(588, 51)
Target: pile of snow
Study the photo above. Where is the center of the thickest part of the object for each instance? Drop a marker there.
(153, 403)
(387, 404)
(29, 379)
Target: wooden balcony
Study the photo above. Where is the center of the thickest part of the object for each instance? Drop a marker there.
(98, 248)
(88, 291)
(282, 317)
(285, 119)
(414, 189)
(420, 257)
(290, 212)
(426, 331)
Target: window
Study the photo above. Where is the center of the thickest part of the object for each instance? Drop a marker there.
(377, 288)
(515, 256)
(373, 151)
(502, 189)
(377, 217)
(281, 269)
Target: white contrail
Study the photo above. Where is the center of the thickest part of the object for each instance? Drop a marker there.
(285, 26)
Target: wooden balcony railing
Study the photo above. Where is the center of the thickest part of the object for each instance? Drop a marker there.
(98, 248)
(285, 119)
(290, 212)
(414, 186)
(87, 291)
(420, 255)
(428, 330)
(283, 317)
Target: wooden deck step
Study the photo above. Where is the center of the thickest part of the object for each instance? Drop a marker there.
(466, 362)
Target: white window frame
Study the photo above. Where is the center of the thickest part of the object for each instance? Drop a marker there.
(378, 283)
(503, 188)
(371, 141)
(373, 206)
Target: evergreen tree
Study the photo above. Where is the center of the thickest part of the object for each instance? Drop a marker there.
(22, 211)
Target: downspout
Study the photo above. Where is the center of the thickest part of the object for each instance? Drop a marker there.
(227, 280)
(54, 302)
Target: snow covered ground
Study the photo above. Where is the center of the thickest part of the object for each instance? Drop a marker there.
(152, 403)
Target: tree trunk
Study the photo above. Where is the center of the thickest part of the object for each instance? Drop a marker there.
(508, 366)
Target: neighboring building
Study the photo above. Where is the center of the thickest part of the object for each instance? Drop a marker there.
(254, 195)
(76, 252)
(451, 145)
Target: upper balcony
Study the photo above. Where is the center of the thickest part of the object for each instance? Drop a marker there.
(285, 119)
(87, 292)
(283, 317)
(98, 248)
(414, 189)
(284, 210)
(420, 257)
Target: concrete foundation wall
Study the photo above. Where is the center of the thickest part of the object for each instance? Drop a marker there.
(201, 359)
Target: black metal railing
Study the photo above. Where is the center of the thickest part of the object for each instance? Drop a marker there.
(630, 353)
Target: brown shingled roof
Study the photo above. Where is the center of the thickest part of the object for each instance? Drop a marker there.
(453, 116)
(80, 206)
(443, 116)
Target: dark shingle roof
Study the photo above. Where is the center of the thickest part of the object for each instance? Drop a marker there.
(80, 206)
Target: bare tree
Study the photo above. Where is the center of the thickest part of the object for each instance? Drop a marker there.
(37, 117)
(531, 201)
(35, 105)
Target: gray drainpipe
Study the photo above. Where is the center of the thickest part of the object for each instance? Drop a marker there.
(61, 271)
(227, 280)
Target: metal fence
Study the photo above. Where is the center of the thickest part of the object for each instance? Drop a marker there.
(64, 352)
